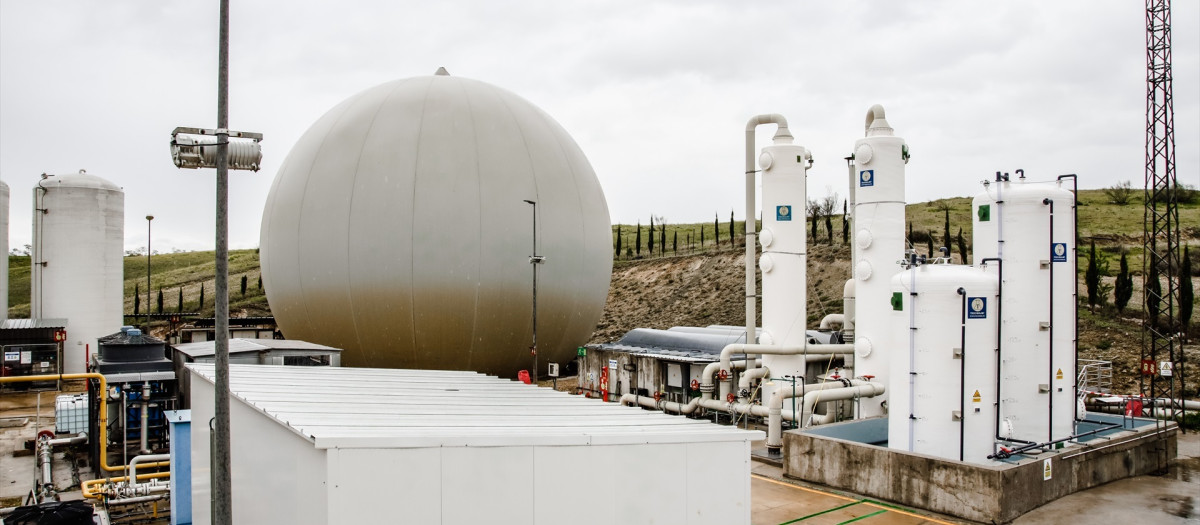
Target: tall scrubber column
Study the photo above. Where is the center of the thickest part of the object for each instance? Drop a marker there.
(879, 160)
(784, 243)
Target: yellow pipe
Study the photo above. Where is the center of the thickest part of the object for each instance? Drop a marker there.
(91, 484)
(103, 416)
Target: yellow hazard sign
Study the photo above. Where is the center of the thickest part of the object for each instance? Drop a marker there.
(975, 398)
(1059, 374)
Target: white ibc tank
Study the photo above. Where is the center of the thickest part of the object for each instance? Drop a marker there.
(784, 242)
(77, 269)
(943, 387)
(1012, 221)
(397, 229)
(4, 246)
(879, 161)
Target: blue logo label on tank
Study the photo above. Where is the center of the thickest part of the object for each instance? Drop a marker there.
(783, 213)
(866, 178)
(1058, 252)
(977, 308)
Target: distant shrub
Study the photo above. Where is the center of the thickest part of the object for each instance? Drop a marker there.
(1120, 193)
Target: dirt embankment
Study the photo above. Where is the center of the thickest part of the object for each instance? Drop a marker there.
(708, 289)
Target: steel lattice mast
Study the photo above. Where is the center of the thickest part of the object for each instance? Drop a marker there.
(1160, 326)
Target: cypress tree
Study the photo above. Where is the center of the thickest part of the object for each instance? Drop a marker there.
(137, 299)
(650, 239)
(675, 242)
(1153, 295)
(1091, 277)
(911, 242)
(179, 307)
(845, 224)
(701, 237)
(829, 228)
(662, 238)
(962, 247)
(716, 230)
(201, 298)
(260, 282)
(244, 278)
(929, 242)
(160, 300)
(617, 255)
(732, 235)
(1123, 289)
(947, 237)
(1187, 297)
(637, 243)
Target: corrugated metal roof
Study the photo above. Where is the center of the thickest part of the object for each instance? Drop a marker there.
(239, 345)
(24, 324)
(378, 408)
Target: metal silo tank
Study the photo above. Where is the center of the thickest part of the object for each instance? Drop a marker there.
(4, 246)
(879, 161)
(1012, 221)
(77, 270)
(943, 364)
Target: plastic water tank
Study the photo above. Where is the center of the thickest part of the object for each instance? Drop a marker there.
(879, 161)
(78, 271)
(397, 230)
(1012, 221)
(944, 364)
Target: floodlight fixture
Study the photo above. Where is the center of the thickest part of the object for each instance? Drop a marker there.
(194, 148)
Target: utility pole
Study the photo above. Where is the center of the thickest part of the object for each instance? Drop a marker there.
(534, 260)
(148, 252)
(221, 479)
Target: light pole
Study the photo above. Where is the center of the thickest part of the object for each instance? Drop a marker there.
(534, 260)
(188, 151)
(148, 219)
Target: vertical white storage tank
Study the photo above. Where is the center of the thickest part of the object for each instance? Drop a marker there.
(3, 246)
(879, 161)
(78, 273)
(1031, 228)
(944, 374)
(784, 246)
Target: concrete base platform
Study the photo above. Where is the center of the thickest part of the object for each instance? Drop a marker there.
(996, 494)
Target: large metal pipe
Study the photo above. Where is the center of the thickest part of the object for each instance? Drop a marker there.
(102, 416)
(133, 464)
(811, 395)
(145, 413)
(781, 132)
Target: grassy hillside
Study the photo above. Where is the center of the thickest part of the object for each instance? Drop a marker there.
(171, 273)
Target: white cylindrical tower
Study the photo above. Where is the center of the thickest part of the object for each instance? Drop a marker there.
(78, 273)
(879, 161)
(1031, 227)
(783, 261)
(944, 364)
(4, 255)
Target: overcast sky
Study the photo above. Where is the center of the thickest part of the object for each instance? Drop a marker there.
(656, 93)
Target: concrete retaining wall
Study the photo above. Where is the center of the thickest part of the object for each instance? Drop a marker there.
(980, 493)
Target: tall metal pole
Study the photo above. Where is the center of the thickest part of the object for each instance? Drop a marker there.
(533, 260)
(221, 479)
(148, 252)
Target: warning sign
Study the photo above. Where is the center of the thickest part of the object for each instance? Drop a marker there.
(975, 398)
(1059, 375)
(1046, 470)
(1165, 369)
(1148, 368)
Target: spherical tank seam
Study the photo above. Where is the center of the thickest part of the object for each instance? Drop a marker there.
(412, 226)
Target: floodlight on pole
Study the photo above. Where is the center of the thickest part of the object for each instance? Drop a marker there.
(193, 148)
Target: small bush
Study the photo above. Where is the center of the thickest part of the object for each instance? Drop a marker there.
(1120, 193)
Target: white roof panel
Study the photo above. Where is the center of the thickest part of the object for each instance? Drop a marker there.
(382, 408)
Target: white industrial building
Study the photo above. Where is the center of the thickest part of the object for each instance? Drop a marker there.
(353, 445)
